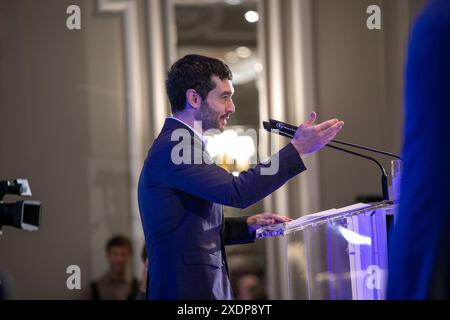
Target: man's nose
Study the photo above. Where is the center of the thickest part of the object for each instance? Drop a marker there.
(231, 108)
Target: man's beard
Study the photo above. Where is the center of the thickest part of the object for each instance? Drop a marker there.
(209, 117)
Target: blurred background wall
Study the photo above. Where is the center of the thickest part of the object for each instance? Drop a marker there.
(79, 109)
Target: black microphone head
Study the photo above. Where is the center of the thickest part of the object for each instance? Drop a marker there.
(266, 125)
(273, 123)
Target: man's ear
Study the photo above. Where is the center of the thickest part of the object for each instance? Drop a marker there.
(193, 99)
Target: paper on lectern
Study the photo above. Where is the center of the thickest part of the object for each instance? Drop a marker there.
(310, 217)
(281, 228)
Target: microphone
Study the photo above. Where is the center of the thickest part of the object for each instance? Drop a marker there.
(288, 130)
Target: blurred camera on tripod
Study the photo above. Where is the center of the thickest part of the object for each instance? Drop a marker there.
(23, 214)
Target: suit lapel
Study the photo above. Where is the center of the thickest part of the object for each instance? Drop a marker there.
(172, 124)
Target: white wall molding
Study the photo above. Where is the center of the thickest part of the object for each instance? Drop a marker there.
(157, 31)
(304, 98)
(284, 26)
(134, 105)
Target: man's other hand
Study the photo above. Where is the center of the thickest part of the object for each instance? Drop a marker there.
(309, 137)
(264, 219)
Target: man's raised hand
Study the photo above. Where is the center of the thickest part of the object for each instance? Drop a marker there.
(309, 137)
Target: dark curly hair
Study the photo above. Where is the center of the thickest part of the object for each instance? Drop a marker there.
(193, 72)
(119, 241)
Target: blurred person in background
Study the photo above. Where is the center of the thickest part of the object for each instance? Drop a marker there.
(250, 286)
(117, 283)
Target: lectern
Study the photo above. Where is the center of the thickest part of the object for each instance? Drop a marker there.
(338, 253)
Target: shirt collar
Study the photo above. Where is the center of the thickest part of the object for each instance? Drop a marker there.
(199, 135)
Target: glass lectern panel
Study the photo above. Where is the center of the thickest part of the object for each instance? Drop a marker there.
(338, 254)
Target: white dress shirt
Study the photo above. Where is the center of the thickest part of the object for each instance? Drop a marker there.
(199, 135)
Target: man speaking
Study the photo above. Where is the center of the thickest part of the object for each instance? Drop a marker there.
(181, 202)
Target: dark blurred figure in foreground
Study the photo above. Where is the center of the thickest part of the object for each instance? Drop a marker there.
(419, 261)
(5, 286)
(117, 283)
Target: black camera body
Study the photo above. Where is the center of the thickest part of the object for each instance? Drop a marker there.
(23, 214)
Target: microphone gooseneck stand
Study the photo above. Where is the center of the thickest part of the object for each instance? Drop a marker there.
(287, 130)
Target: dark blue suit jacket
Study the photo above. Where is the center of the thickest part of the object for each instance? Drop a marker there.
(419, 260)
(182, 214)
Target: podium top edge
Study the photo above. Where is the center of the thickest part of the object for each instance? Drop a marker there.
(284, 229)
